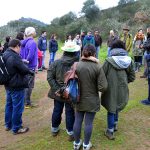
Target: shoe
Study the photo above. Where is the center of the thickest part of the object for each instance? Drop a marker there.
(71, 138)
(30, 106)
(7, 129)
(40, 69)
(145, 102)
(76, 146)
(44, 68)
(87, 147)
(143, 76)
(55, 133)
(109, 135)
(21, 130)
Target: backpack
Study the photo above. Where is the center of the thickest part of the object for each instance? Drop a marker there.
(71, 90)
(4, 75)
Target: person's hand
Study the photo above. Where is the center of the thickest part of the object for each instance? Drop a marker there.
(25, 61)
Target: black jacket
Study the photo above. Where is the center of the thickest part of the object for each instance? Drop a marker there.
(17, 70)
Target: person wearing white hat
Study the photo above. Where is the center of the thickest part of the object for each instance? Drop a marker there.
(55, 78)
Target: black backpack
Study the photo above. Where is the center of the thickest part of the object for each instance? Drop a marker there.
(4, 75)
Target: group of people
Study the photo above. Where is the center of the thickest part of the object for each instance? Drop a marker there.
(111, 79)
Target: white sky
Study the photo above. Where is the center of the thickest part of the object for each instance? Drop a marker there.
(44, 10)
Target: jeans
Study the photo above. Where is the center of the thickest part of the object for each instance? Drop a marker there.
(43, 58)
(88, 125)
(56, 116)
(13, 109)
(108, 51)
(28, 91)
(112, 120)
(52, 57)
(97, 51)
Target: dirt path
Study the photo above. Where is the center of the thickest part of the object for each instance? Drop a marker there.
(35, 118)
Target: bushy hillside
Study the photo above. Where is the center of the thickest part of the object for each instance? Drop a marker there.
(136, 15)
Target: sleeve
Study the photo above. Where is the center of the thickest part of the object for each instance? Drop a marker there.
(101, 40)
(51, 76)
(32, 50)
(23, 69)
(39, 44)
(102, 82)
(146, 45)
(130, 73)
(130, 43)
(50, 45)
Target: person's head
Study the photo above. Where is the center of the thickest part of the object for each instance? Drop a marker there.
(89, 50)
(96, 32)
(82, 33)
(140, 31)
(30, 32)
(20, 36)
(118, 44)
(77, 36)
(53, 36)
(15, 44)
(8, 38)
(43, 33)
(69, 37)
(89, 33)
(126, 29)
(112, 33)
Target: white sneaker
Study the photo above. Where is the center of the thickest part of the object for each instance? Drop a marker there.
(77, 146)
(87, 147)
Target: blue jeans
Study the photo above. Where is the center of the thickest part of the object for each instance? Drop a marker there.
(97, 51)
(13, 109)
(56, 116)
(108, 51)
(43, 58)
(52, 57)
(112, 120)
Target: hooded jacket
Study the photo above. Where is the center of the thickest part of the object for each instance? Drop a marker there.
(89, 39)
(29, 52)
(56, 71)
(53, 45)
(119, 72)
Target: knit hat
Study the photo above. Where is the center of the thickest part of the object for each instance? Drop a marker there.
(70, 47)
(29, 31)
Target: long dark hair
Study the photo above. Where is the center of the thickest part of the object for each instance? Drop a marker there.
(118, 44)
(89, 50)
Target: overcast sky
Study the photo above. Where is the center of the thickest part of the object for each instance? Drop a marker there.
(43, 10)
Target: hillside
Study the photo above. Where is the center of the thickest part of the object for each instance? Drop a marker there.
(136, 15)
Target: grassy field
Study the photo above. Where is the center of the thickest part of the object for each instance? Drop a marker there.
(134, 122)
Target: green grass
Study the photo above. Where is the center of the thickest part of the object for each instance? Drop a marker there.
(134, 122)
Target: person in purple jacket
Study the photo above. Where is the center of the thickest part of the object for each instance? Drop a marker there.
(29, 54)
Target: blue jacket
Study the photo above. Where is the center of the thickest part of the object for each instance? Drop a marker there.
(53, 45)
(89, 40)
(42, 43)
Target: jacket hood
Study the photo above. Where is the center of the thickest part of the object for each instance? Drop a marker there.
(89, 37)
(118, 52)
(119, 62)
(24, 42)
(68, 59)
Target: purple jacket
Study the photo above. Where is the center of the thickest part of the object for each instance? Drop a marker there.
(29, 51)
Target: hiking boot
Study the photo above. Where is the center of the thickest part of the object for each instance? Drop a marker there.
(21, 130)
(87, 147)
(71, 138)
(109, 135)
(40, 69)
(76, 146)
(44, 68)
(7, 129)
(55, 133)
(30, 106)
(143, 76)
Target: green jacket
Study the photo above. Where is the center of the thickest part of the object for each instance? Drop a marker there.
(56, 71)
(128, 41)
(92, 80)
(118, 75)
